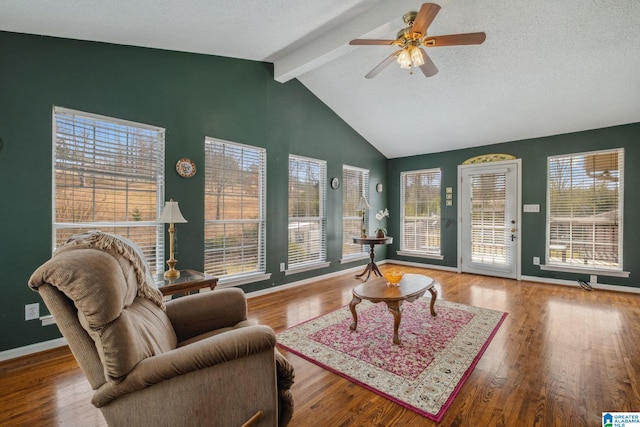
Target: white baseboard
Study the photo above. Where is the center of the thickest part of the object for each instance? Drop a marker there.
(603, 286)
(59, 342)
(32, 348)
(309, 280)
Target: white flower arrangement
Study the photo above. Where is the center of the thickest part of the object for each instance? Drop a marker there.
(380, 216)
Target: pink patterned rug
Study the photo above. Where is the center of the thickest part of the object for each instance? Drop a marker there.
(424, 373)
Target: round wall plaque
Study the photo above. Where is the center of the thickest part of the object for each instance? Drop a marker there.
(186, 168)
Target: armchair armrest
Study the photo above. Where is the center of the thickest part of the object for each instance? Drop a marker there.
(197, 314)
(203, 354)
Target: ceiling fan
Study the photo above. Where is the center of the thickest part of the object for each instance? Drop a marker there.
(411, 39)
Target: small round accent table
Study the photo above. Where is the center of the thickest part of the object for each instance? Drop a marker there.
(372, 267)
(410, 288)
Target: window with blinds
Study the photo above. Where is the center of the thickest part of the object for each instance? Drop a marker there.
(235, 209)
(108, 175)
(585, 210)
(355, 184)
(420, 211)
(489, 219)
(307, 212)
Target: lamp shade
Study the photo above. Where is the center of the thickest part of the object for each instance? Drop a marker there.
(362, 205)
(171, 213)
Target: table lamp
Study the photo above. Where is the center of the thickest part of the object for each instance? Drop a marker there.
(170, 215)
(363, 206)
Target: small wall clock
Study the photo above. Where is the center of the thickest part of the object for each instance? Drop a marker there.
(186, 168)
(379, 187)
(335, 183)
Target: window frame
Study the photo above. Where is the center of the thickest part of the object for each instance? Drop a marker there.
(321, 260)
(259, 273)
(109, 128)
(568, 264)
(404, 249)
(347, 240)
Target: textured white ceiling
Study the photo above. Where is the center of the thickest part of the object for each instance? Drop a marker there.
(547, 66)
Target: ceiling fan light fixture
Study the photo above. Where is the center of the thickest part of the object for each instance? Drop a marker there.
(413, 37)
(416, 57)
(404, 59)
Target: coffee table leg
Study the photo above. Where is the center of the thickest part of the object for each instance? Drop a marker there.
(352, 306)
(394, 308)
(434, 295)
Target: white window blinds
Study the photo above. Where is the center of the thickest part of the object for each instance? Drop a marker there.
(235, 209)
(307, 212)
(420, 198)
(108, 175)
(489, 219)
(355, 184)
(585, 210)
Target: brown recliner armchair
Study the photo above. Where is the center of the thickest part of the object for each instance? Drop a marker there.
(192, 361)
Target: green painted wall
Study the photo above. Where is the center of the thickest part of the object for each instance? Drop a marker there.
(191, 96)
(534, 153)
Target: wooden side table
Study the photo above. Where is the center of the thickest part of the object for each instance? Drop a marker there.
(372, 266)
(189, 280)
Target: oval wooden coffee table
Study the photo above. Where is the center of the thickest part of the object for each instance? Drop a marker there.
(410, 288)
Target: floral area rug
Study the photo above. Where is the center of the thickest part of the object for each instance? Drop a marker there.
(424, 373)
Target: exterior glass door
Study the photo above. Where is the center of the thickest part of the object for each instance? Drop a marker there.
(489, 219)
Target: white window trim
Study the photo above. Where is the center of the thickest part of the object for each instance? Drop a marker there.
(322, 182)
(260, 274)
(230, 281)
(580, 270)
(364, 252)
(160, 189)
(415, 253)
(307, 267)
(584, 270)
(353, 258)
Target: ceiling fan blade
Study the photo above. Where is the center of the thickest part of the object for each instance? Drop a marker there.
(427, 14)
(455, 39)
(371, 41)
(429, 69)
(381, 66)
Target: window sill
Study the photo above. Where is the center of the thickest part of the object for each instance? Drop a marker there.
(243, 280)
(420, 255)
(306, 267)
(582, 270)
(352, 258)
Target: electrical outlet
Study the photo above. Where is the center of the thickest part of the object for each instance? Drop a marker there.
(282, 266)
(32, 311)
(536, 260)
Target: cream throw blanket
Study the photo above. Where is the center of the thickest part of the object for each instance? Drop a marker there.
(131, 252)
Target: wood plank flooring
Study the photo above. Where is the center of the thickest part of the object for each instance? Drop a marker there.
(562, 357)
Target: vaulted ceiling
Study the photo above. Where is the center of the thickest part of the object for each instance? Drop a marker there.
(547, 67)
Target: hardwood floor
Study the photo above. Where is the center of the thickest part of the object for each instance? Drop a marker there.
(562, 357)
